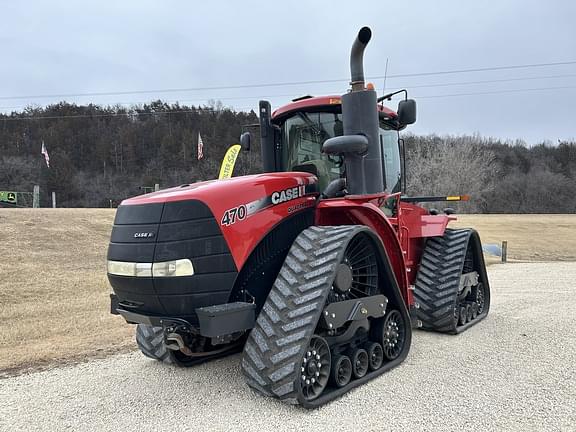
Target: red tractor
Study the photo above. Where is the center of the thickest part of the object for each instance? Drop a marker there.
(317, 269)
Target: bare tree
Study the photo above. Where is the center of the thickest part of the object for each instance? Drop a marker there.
(451, 166)
(19, 173)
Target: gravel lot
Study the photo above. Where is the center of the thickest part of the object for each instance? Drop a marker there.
(514, 371)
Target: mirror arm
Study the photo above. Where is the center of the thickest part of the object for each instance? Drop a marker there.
(389, 95)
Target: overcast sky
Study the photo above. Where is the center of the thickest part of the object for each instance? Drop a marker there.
(73, 47)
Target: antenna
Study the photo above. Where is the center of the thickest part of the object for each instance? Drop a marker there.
(385, 75)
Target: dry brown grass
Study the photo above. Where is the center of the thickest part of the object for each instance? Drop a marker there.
(54, 303)
(530, 237)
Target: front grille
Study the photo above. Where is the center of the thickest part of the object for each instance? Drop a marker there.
(169, 231)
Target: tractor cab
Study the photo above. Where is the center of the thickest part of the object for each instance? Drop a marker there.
(292, 138)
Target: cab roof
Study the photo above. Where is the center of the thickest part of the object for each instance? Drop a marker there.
(317, 102)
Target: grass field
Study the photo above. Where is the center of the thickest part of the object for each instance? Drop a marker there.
(53, 288)
(54, 303)
(530, 237)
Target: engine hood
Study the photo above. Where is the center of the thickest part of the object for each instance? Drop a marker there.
(228, 190)
(244, 208)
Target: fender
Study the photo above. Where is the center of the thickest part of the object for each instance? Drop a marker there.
(255, 279)
(415, 225)
(356, 212)
(421, 224)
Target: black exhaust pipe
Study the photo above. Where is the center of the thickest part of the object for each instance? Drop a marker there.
(360, 144)
(357, 58)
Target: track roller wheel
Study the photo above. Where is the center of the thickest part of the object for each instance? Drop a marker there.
(341, 373)
(456, 314)
(315, 368)
(474, 310)
(360, 363)
(394, 335)
(480, 298)
(463, 315)
(375, 355)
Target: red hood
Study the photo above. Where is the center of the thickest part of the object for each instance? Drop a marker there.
(266, 199)
(229, 191)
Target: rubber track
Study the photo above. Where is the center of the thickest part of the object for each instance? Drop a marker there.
(150, 340)
(438, 280)
(276, 345)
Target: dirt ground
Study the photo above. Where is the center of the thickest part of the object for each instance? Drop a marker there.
(54, 304)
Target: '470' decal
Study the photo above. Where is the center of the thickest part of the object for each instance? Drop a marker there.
(234, 214)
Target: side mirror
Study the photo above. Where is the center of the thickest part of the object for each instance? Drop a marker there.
(355, 144)
(245, 141)
(407, 112)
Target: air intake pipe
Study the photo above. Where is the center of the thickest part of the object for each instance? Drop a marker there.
(360, 144)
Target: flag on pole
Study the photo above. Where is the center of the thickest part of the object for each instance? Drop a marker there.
(45, 153)
(200, 147)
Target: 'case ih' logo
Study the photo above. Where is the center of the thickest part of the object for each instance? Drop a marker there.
(288, 194)
(143, 235)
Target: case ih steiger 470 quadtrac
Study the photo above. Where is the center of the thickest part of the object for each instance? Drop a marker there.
(317, 269)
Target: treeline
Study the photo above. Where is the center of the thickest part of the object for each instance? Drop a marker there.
(98, 154)
(500, 176)
(101, 155)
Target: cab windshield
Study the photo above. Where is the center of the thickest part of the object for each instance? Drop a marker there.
(303, 135)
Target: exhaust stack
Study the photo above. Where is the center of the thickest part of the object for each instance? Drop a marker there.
(360, 144)
(357, 58)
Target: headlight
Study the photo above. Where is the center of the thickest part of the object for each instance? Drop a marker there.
(121, 268)
(181, 267)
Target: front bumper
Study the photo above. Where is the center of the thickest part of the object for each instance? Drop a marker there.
(213, 321)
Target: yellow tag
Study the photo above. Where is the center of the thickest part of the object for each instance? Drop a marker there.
(229, 161)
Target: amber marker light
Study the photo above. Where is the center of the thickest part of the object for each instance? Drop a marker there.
(458, 198)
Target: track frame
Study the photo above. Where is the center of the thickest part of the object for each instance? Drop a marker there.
(438, 279)
(293, 310)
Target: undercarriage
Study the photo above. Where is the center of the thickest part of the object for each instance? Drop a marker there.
(452, 290)
(332, 321)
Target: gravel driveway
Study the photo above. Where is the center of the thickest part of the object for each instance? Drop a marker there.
(514, 371)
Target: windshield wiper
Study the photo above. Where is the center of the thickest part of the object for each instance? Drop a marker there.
(317, 127)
